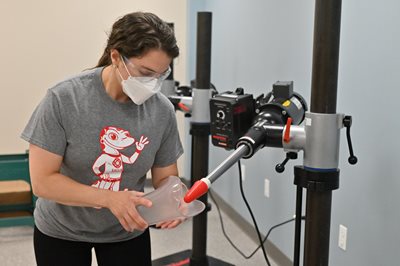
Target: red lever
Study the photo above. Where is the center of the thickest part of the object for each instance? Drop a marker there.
(184, 107)
(286, 135)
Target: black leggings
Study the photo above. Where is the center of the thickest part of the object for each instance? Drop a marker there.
(51, 251)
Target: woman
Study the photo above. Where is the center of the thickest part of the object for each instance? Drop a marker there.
(92, 140)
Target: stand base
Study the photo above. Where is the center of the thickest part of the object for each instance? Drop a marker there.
(183, 259)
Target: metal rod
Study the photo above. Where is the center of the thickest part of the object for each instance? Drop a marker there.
(297, 235)
(323, 100)
(325, 56)
(199, 170)
(200, 135)
(317, 228)
(228, 162)
(203, 50)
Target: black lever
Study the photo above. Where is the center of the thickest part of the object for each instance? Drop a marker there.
(347, 121)
(184, 91)
(280, 167)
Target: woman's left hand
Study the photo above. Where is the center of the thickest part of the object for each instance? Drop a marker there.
(170, 224)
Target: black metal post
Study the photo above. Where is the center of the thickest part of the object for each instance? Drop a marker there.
(323, 100)
(297, 236)
(317, 229)
(199, 170)
(200, 131)
(203, 54)
(325, 56)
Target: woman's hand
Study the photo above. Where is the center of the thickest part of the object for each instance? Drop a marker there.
(170, 224)
(123, 205)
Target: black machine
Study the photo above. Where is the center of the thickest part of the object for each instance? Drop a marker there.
(231, 116)
(245, 124)
(234, 113)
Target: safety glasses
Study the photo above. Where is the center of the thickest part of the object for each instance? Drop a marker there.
(145, 74)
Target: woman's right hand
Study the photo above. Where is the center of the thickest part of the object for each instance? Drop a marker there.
(123, 205)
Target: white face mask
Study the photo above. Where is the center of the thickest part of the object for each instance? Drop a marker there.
(139, 89)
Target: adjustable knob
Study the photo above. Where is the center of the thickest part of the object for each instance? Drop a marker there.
(347, 121)
(280, 167)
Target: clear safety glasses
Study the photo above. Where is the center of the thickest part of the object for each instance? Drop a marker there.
(146, 75)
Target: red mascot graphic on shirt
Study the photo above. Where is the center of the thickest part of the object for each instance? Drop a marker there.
(112, 140)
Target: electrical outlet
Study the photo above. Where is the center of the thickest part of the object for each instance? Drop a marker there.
(342, 237)
(266, 187)
(243, 167)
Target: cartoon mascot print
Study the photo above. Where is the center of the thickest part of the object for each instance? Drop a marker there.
(112, 141)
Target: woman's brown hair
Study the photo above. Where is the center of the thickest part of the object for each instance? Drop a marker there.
(136, 33)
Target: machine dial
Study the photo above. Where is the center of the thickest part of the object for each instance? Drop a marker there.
(221, 114)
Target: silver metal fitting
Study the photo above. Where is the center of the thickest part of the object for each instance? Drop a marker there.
(201, 105)
(297, 140)
(322, 132)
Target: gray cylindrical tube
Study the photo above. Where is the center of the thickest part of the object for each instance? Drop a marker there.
(225, 165)
(323, 139)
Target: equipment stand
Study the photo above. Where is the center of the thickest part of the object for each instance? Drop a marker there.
(320, 186)
(320, 182)
(200, 131)
(297, 229)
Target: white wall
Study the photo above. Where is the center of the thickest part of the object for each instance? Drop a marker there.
(44, 41)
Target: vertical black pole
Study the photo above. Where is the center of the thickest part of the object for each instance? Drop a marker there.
(325, 56)
(199, 170)
(323, 100)
(203, 51)
(317, 229)
(297, 236)
(200, 131)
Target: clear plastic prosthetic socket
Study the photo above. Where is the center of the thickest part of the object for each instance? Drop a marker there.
(168, 203)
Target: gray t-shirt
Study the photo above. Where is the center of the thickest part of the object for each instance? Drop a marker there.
(97, 137)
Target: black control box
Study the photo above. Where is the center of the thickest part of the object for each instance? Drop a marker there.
(231, 116)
